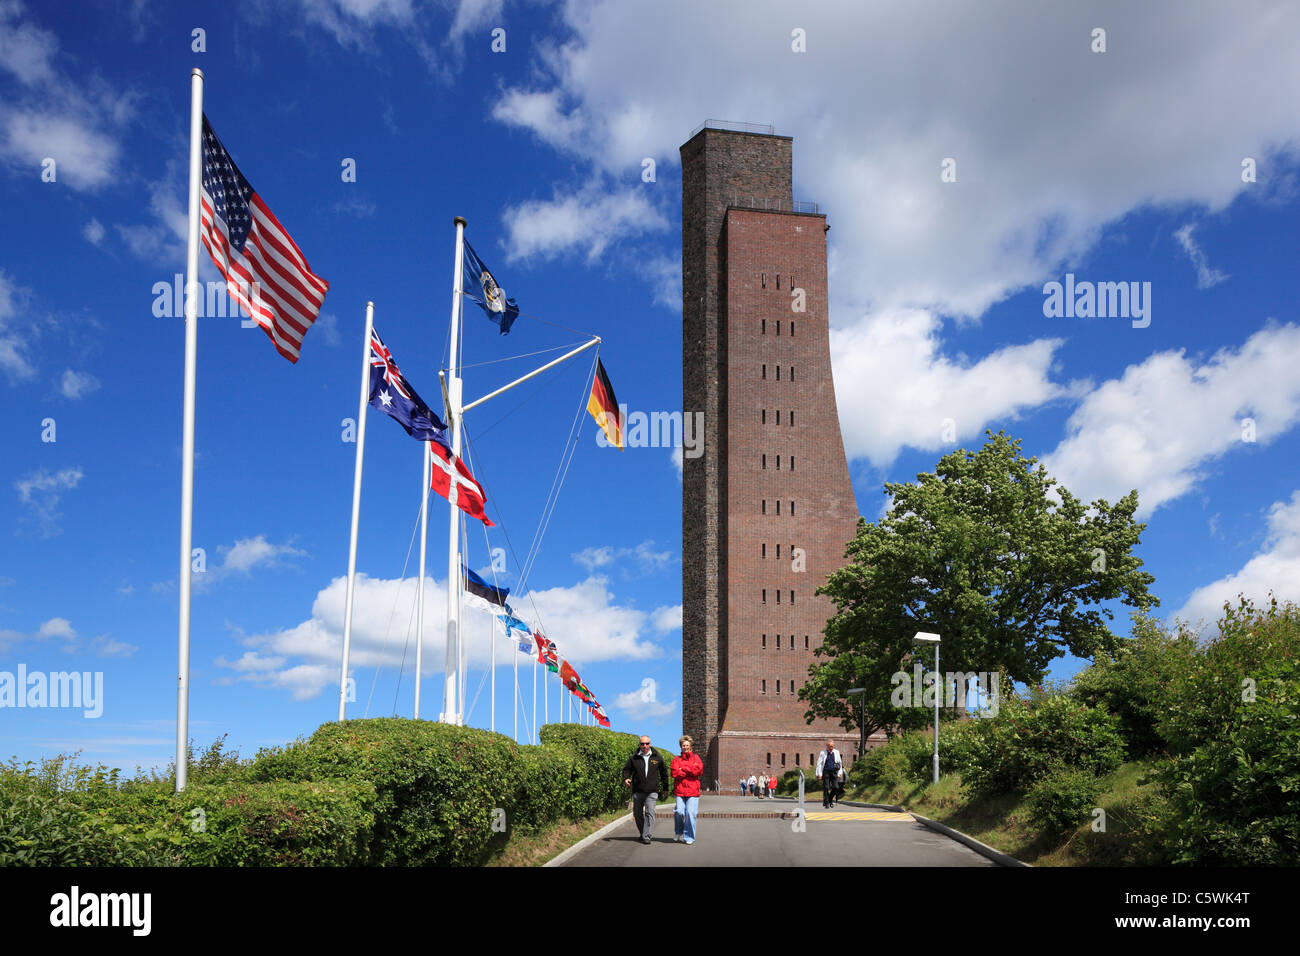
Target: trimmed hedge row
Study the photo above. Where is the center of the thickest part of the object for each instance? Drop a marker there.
(380, 792)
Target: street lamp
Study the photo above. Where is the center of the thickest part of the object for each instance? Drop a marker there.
(922, 637)
(862, 724)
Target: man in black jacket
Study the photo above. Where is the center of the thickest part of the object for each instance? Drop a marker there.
(642, 771)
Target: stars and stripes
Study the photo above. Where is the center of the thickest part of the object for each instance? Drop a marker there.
(265, 271)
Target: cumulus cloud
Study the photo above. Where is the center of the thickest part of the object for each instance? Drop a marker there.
(905, 392)
(642, 703)
(588, 222)
(1205, 276)
(303, 660)
(1275, 568)
(242, 557)
(76, 384)
(69, 641)
(668, 618)
(93, 232)
(1163, 421)
(1037, 177)
(53, 116)
(40, 492)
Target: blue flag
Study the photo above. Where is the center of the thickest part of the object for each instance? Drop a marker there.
(513, 623)
(480, 286)
(393, 395)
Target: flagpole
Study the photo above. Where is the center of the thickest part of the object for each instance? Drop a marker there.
(356, 505)
(450, 705)
(515, 697)
(419, 604)
(493, 726)
(536, 731)
(187, 429)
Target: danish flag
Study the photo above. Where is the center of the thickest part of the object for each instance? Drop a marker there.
(448, 470)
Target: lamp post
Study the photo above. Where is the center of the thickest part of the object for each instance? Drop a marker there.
(923, 637)
(862, 723)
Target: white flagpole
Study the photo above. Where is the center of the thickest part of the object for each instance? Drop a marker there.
(535, 729)
(451, 707)
(187, 428)
(356, 505)
(493, 726)
(515, 698)
(546, 700)
(419, 604)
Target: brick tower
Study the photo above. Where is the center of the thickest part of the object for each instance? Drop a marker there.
(768, 507)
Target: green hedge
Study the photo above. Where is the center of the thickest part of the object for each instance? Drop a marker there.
(364, 792)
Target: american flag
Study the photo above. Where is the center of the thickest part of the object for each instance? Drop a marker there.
(264, 269)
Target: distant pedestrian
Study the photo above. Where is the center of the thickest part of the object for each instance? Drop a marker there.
(686, 771)
(744, 782)
(646, 774)
(830, 766)
(762, 785)
(753, 785)
(771, 786)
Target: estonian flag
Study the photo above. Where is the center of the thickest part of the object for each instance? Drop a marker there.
(482, 595)
(603, 407)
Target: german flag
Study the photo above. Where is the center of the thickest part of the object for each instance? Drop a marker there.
(603, 407)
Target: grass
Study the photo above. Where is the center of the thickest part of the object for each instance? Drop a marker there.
(535, 849)
(1128, 799)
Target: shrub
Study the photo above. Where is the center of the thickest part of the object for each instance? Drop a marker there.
(1022, 743)
(1235, 768)
(1062, 798)
(1134, 683)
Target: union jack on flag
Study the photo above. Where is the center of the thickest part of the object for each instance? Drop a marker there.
(265, 271)
(392, 394)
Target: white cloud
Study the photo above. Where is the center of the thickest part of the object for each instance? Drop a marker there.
(676, 456)
(1275, 568)
(304, 660)
(104, 646)
(54, 117)
(41, 491)
(161, 241)
(1037, 177)
(588, 221)
(1158, 425)
(668, 618)
(326, 327)
(642, 704)
(644, 558)
(1205, 276)
(13, 356)
(77, 384)
(93, 232)
(57, 627)
(904, 392)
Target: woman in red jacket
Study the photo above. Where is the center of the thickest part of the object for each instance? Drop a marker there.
(686, 771)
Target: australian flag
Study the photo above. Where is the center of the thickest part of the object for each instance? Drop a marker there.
(393, 395)
(480, 286)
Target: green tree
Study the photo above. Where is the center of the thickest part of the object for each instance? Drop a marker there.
(994, 555)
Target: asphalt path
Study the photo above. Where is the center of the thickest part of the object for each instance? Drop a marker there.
(747, 831)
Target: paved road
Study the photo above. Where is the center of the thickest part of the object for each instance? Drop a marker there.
(736, 831)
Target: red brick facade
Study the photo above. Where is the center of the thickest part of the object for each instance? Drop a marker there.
(768, 509)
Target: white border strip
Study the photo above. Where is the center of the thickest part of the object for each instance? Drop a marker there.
(585, 842)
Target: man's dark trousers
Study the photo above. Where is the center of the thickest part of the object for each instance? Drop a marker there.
(830, 784)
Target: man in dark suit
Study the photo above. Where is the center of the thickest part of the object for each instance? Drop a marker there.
(647, 775)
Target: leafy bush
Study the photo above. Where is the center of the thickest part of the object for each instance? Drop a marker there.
(1023, 742)
(1234, 737)
(1062, 798)
(1134, 683)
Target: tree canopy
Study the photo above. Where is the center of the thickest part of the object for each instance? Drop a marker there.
(995, 556)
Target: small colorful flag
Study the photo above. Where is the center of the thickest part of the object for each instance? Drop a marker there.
(393, 395)
(599, 713)
(513, 623)
(479, 284)
(546, 653)
(470, 496)
(603, 406)
(265, 271)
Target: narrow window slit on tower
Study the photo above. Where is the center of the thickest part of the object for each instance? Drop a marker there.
(778, 373)
(764, 328)
(764, 371)
(765, 461)
(778, 326)
(764, 418)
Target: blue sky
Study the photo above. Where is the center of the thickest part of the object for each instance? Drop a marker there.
(1128, 164)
